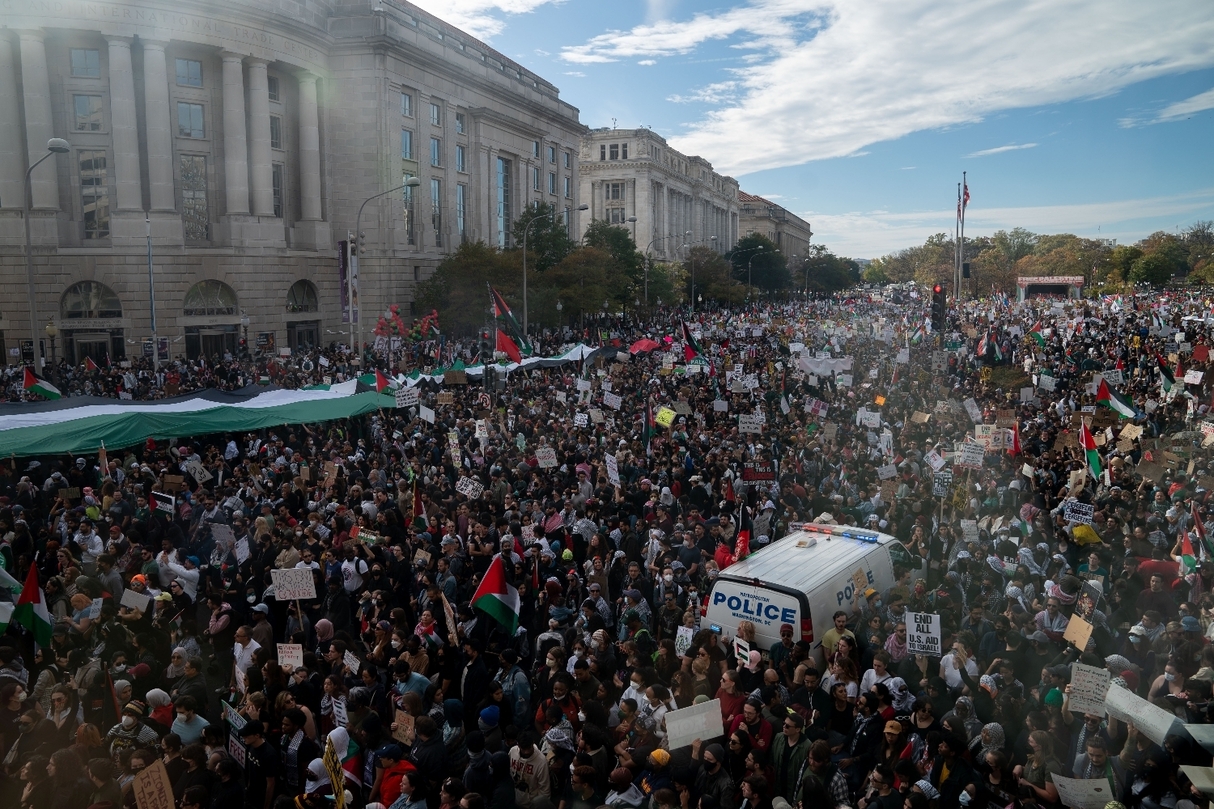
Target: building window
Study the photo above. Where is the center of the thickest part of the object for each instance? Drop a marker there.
(535, 179)
(602, 151)
(623, 151)
(406, 144)
(275, 131)
(551, 154)
(436, 152)
(615, 191)
(460, 123)
(535, 148)
(86, 63)
(189, 73)
(461, 158)
(565, 219)
(616, 216)
(94, 193)
(189, 120)
(89, 300)
(568, 160)
(406, 105)
(88, 113)
(461, 197)
(436, 210)
(504, 213)
(194, 210)
(568, 188)
(407, 198)
(276, 181)
(436, 114)
(210, 298)
(303, 297)
(614, 151)
(272, 85)
(551, 183)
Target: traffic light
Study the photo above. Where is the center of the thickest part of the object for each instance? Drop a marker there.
(939, 308)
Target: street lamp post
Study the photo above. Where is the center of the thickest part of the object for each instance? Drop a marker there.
(147, 221)
(356, 248)
(582, 207)
(244, 325)
(52, 331)
(53, 146)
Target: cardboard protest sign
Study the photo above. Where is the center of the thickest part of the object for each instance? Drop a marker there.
(1077, 632)
(923, 634)
(293, 583)
(152, 787)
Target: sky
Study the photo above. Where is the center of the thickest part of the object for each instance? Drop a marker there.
(1093, 117)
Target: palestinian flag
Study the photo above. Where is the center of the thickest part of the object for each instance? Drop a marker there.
(31, 611)
(691, 348)
(508, 347)
(38, 385)
(649, 428)
(1036, 334)
(1113, 400)
(419, 508)
(917, 335)
(496, 598)
(1088, 444)
(1187, 557)
(89, 365)
(1199, 529)
(1166, 378)
(502, 310)
(374, 381)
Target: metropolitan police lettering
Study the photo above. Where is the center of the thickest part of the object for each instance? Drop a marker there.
(755, 607)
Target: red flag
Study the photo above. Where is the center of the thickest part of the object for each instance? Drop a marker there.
(742, 548)
(729, 495)
(507, 347)
(1015, 449)
(89, 365)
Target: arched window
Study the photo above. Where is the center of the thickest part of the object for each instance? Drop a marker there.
(302, 297)
(89, 300)
(210, 298)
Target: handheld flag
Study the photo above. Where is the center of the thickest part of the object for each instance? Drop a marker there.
(691, 348)
(1113, 400)
(508, 347)
(1015, 447)
(38, 385)
(502, 311)
(1036, 334)
(89, 365)
(31, 611)
(496, 598)
(1088, 444)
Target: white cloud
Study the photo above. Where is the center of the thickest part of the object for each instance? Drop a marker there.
(874, 233)
(909, 168)
(480, 18)
(647, 62)
(836, 76)
(577, 73)
(710, 94)
(1013, 147)
(1177, 111)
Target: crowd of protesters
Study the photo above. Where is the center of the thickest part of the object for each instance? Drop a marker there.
(428, 701)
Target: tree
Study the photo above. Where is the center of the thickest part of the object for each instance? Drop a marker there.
(547, 239)
(1153, 268)
(712, 277)
(756, 260)
(626, 262)
(459, 287)
(827, 272)
(581, 282)
(874, 273)
(1121, 260)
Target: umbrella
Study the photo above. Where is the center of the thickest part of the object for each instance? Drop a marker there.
(642, 345)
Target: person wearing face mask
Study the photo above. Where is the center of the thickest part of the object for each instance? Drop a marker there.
(188, 725)
(130, 730)
(712, 779)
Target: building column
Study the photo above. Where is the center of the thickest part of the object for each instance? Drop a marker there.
(309, 149)
(124, 132)
(38, 127)
(235, 143)
(159, 126)
(11, 148)
(259, 142)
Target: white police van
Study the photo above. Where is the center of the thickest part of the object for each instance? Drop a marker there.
(803, 579)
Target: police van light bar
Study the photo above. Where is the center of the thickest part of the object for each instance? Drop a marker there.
(834, 531)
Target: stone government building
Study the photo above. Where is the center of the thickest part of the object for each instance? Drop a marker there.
(248, 133)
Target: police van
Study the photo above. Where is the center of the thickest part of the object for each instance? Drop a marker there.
(803, 580)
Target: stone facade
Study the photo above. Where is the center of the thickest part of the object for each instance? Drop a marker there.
(245, 136)
(633, 172)
(790, 232)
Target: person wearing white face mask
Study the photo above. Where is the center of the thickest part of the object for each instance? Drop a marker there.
(130, 731)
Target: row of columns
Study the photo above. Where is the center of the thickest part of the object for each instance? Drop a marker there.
(247, 152)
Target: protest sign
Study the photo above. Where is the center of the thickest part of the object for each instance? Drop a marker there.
(975, 412)
(741, 651)
(546, 457)
(749, 423)
(887, 472)
(1077, 632)
(1088, 687)
(152, 787)
(469, 487)
(612, 400)
(1083, 793)
(290, 654)
(701, 721)
(970, 456)
(353, 664)
(135, 601)
(720, 406)
(425, 414)
(1126, 706)
(236, 750)
(923, 634)
(1079, 512)
(293, 583)
(682, 640)
(406, 397)
(613, 469)
(403, 732)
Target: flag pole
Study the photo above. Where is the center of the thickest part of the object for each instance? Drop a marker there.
(961, 258)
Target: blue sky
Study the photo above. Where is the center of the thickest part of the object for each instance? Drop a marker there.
(1095, 118)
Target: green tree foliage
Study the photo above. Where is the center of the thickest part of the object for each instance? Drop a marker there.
(1121, 260)
(459, 287)
(1153, 268)
(756, 260)
(875, 273)
(712, 276)
(823, 271)
(547, 240)
(627, 264)
(582, 282)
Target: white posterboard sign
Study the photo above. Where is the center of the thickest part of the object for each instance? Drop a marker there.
(975, 412)
(970, 456)
(406, 397)
(425, 414)
(682, 640)
(469, 487)
(613, 400)
(720, 406)
(1088, 688)
(613, 469)
(546, 457)
(290, 654)
(293, 584)
(1079, 512)
(1083, 793)
(353, 664)
(701, 721)
(923, 634)
(749, 423)
(1152, 720)
(341, 716)
(135, 601)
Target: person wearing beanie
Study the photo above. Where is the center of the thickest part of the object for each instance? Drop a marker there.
(489, 724)
(529, 769)
(656, 774)
(624, 794)
(712, 778)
